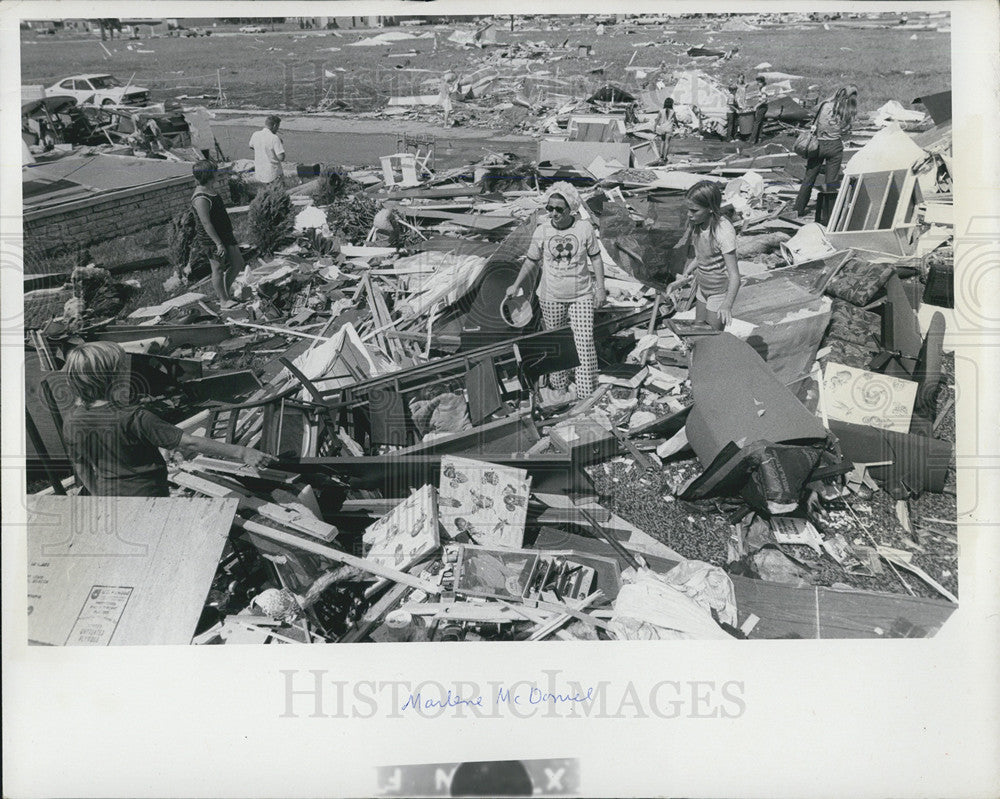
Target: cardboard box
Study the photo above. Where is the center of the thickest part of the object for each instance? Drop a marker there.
(584, 440)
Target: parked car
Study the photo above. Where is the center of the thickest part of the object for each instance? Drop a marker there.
(196, 32)
(253, 29)
(99, 90)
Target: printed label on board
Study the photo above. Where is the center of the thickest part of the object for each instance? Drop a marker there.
(99, 616)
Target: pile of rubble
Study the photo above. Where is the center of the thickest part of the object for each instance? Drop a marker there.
(428, 486)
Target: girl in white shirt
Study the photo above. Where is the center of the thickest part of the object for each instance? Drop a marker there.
(716, 274)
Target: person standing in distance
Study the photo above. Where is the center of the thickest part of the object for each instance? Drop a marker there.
(268, 151)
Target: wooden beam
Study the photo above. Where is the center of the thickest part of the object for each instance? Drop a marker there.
(336, 555)
(571, 611)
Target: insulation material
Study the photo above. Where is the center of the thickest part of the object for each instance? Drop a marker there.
(854, 395)
(442, 276)
(487, 502)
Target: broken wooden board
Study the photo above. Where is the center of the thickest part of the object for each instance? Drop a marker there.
(337, 556)
(816, 612)
(121, 570)
(473, 221)
(148, 312)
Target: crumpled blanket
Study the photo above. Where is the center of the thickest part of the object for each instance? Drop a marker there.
(442, 415)
(648, 608)
(707, 585)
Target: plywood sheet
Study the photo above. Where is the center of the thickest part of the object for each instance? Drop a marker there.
(121, 570)
(816, 612)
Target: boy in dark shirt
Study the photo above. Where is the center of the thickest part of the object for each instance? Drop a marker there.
(114, 447)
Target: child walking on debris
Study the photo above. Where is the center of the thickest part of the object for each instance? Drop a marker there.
(216, 231)
(114, 447)
(572, 280)
(717, 276)
(666, 120)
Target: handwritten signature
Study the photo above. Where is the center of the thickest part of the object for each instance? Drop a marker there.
(535, 696)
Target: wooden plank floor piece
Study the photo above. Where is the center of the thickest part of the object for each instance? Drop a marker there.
(816, 612)
(121, 570)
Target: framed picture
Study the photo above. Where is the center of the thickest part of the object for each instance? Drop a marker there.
(494, 573)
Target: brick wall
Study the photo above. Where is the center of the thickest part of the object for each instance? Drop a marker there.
(93, 220)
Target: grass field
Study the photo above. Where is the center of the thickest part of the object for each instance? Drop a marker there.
(885, 63)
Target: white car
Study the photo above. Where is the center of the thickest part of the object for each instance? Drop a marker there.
(253, 29)
(100, 90)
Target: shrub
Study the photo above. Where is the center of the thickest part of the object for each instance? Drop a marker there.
(350, 217)
(185, 251)
(270, 219)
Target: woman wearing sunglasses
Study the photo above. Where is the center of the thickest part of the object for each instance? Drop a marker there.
(572, 280)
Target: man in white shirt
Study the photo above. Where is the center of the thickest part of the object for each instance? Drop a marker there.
(268, 151)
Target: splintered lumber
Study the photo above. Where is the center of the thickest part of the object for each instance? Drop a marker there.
(916, 570)
(533, 615)
(307, 545)
(382, 320)
(295, 518)
(281, 331)
(241, 469)
(291, 517)
(485, 613)
(202, 485)
(570, 611)
(121, 570)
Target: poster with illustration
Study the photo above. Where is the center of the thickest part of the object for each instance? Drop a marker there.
(406, 533)
(485, 501)
(494, 573)
(854, 395)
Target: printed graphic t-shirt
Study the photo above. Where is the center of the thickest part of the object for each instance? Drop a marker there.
(565, 257)
(114, 449)
(709, 249)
